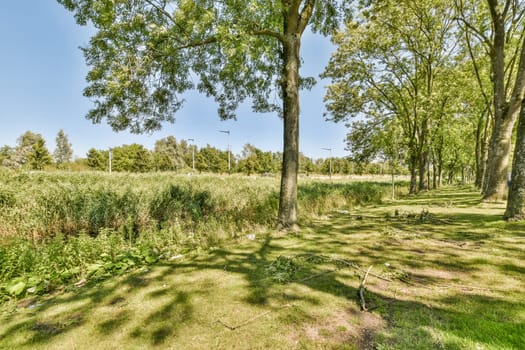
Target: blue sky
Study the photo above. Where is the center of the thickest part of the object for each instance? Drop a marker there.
(42, 76)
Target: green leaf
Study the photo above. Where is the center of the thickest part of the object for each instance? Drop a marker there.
(17, 289)
(93, 268)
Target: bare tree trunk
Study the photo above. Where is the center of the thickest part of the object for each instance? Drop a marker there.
(393, 181)
(505, 114)
(413, 174)
(480, 161)
(498, 161)
(434, 175)
(516, 202)
(294, 26)
(423, 168)
(440, 175)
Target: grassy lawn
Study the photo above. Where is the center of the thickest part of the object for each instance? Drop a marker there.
(455, 270)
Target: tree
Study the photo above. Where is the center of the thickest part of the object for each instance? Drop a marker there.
(249, 162)
(30, 152)
(387, 67)
(98, 160)
(131, 158)
(516, 202)
(145, 53)
(170, 154)
(504, 43)
(63, 151)
(211, 159)
(39, 156)
(6, 153)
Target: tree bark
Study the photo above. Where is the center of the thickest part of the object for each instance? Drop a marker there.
(505, 114)
(516, 201)
(498, 160)
(413, 174)
(423, 169)
(294, 25)
(481, 149)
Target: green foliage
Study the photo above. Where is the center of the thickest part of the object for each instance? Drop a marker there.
(255, 161)
(399, 66)
(63, 151)
(39, 156)
(30, 153)
(144, 54)
(211, 159)
(187, 203)
(98, 160)
(131, 158)
(282, 269)
(170, 154)
(62, 227)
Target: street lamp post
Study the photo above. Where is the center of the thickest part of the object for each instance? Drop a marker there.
(329, 160)
(228, 132)
(192, 154)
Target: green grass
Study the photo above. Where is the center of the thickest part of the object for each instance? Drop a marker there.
(60, 227)
(456, 270)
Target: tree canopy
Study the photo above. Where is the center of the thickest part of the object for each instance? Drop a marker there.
(147, 53)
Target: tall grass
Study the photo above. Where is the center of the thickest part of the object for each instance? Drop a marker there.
(58, 226)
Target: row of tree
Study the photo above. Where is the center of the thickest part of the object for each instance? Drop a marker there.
(31, 152)
(169, 154)
(438, 85)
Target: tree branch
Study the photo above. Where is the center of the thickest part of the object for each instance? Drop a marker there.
(476, 70)
(204, 42)
(161, 10)
(305, 15)
(474, 30)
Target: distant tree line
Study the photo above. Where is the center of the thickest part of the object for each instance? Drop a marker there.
(170, 154)
(31, 152)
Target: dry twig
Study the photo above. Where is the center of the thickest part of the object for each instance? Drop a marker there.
(362, 290)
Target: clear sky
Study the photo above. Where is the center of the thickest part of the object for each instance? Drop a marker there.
(42, 76)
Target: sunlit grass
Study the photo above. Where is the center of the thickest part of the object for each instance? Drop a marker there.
(456, 270)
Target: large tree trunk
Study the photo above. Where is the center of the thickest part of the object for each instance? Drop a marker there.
(505, 114)
(498, 160)
(516, 202)
(481, 149)
(294, 25)
(288, 199)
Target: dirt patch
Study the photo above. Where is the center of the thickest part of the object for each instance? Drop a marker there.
(347, 326)
(369, 326)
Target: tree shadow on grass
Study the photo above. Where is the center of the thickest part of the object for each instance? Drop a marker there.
(457, 322)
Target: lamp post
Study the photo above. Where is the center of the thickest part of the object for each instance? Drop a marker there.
(228, 132)
(192, 154)
(329, 160)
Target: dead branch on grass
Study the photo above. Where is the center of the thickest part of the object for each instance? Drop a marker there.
(315, 276)
(347, 263)
(362, 290)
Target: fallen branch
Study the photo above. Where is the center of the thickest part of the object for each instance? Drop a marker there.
(232, 328)
(351, 264)
(362, 290)
(462, 286)
(345, 262)
(315, 276)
